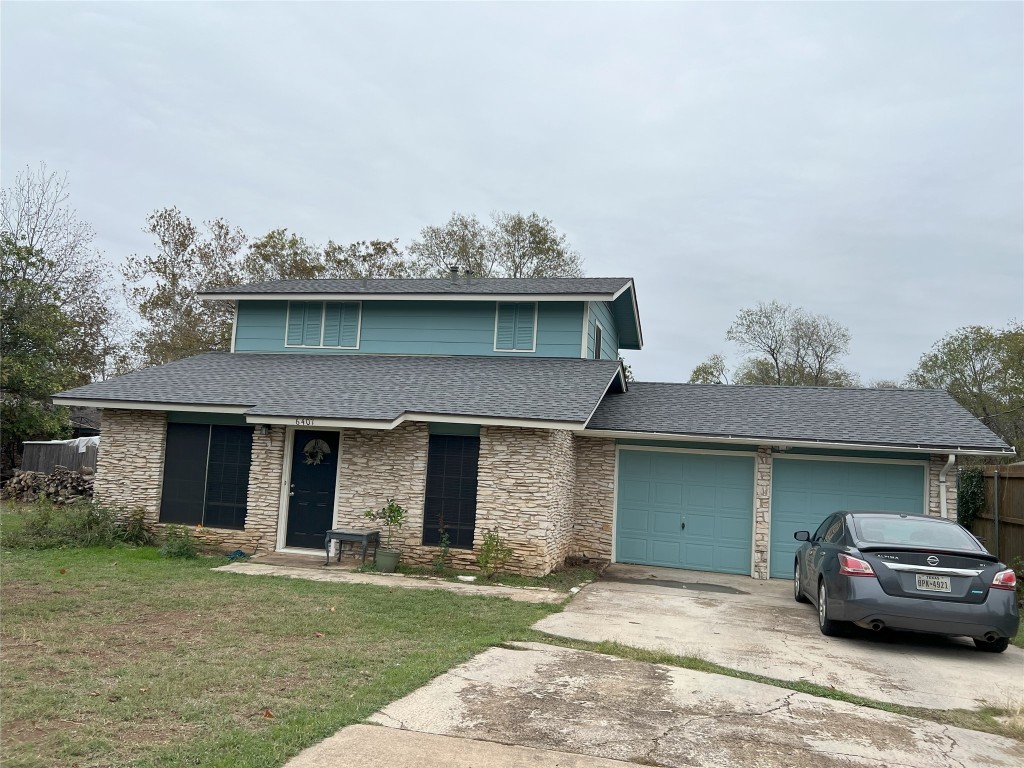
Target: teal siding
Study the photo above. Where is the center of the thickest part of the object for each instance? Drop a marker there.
(600, 311)
(418, 328)
(805, 492)
(659, 491)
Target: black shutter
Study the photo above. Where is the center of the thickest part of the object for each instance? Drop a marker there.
(227, 477)
(452, 464)
(184, 488)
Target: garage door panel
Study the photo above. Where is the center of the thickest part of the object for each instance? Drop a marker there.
(713, 493)
(805, 492)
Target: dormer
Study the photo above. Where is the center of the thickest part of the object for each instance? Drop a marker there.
(580, 317)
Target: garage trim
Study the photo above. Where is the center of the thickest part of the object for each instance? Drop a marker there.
(615, 488)
(845, 459)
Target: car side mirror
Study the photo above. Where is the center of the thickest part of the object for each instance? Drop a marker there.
(802, 536)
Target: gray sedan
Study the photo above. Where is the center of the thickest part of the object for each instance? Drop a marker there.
(888, 570)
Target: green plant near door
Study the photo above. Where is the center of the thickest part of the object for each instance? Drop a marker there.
(391, 516)
(494, 553)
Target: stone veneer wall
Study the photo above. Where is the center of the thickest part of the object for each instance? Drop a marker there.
(525, 489)
(130, 463)
(263, 504)
(762, 510)
(379, 464)
(593, 505)
(935, 464)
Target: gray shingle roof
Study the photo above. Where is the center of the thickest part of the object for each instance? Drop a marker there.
(374, 387)
(896, 417)
(497, 286)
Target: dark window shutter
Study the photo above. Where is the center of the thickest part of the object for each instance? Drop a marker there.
(184, 487)
(452, 468)
(227, 477)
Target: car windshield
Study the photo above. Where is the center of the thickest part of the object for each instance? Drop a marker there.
(911, 531)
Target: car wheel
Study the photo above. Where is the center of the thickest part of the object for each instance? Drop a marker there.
(798, 592)
(825, 624)
(994, 646)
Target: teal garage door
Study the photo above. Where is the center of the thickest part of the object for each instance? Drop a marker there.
(660, 491)
(805, 492)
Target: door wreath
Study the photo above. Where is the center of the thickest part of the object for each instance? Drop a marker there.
(315, 451)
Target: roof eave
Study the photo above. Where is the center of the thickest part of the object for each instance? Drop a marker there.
(363, 296)
(959, 450)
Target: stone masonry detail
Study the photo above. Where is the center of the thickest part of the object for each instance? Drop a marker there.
(263, 504)
(762, 510)
(130, 464)
(594, 499)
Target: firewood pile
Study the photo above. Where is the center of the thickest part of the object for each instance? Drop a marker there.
(60, 486)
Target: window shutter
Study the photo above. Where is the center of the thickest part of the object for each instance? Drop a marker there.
(296, 318)
(351, 312)
(505, 335)
(524, 326)
(312, 323)
(332, 324)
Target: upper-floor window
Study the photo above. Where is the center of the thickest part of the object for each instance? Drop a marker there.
(332, 324)
(598, 332)
(515, 327)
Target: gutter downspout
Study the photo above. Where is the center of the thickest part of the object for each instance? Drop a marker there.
(942, 485)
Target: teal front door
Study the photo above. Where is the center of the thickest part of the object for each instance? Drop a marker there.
(685, 510)
(806, 491)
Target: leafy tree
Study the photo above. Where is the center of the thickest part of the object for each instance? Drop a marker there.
(163, 285)
(369, 258)
(783, 345)
(279, 255)
(38, 346)
(512, 245)
(983, 368)
(711, 371)
(65, 268)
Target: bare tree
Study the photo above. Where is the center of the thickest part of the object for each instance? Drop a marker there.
(36, 213)
(785, 345)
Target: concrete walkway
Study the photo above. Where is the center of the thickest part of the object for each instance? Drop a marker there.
(756, 626)
(573, 708)
(521, 594)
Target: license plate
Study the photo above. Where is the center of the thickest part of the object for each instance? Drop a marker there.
(928, 583)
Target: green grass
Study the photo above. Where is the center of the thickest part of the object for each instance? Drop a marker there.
(1018, 640)
(118, 657)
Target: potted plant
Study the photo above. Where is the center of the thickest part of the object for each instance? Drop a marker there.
(391, 515)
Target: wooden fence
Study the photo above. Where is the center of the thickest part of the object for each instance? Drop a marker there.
(44, 456)
(1011, 512)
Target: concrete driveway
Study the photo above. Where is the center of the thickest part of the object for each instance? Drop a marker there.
(535, 704)
(756, 626)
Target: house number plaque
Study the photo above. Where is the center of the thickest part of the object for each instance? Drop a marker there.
(300, 422)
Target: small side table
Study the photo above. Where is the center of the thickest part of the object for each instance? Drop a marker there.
(366, 536)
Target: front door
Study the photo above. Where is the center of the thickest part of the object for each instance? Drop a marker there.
(311, 491)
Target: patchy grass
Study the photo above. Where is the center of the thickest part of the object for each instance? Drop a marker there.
(1004, 722)
(1019, 639)
(561, 580)
(117, 656)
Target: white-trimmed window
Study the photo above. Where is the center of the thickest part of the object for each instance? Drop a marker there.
(515, 327)
(324, 324)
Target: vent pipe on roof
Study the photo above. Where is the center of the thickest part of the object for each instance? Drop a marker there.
(469, 276)
(453, 273)
(364, 281)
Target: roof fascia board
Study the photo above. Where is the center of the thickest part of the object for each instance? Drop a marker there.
(621, 374)
(317, 422)
(960, 451)
(509, 297)
(137, 405)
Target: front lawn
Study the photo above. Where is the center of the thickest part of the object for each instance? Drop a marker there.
(118, 656)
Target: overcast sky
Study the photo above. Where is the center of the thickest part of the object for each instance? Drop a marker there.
(862, 160)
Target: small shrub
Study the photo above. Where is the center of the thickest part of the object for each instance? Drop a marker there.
(1018, 568)
(443, 558)
(178, 542)
(970, 495)
(45, 525)
(494, 553)
(391, 515)
(132, 528)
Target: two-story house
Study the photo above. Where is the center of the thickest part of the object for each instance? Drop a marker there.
(481, 403)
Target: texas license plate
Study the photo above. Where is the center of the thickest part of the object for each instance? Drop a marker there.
(928, 583)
